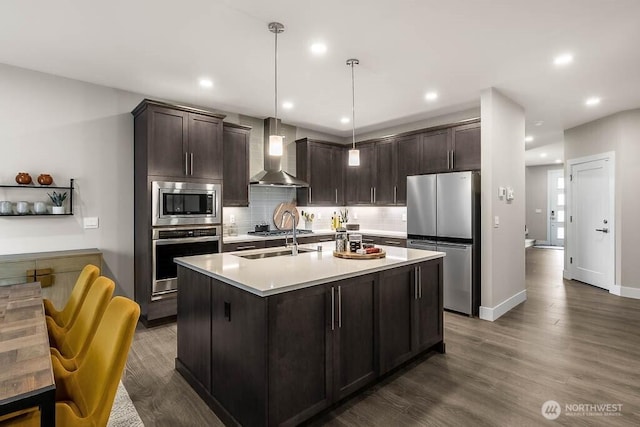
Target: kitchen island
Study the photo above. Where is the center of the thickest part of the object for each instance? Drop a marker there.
(276, 340)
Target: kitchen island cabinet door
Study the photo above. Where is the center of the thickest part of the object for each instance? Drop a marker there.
(466, 147)
(397, 295)
(385, 187)
(205, 147)
(300, 352)
(238, 359)
(167, 150)
(436, 151)
(409, 154)
(429, 311)
(355, 356)
(236, 165)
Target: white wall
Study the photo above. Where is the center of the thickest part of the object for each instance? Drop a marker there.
(502, 254)
(74, 130)
(619, 133)
(536, 188)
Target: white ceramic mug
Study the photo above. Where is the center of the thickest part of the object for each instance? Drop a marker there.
(6, 208)
(22, 207)
(40, 207)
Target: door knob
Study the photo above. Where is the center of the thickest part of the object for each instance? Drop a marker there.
(604, 230)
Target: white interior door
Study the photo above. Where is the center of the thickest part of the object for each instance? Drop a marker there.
(592, 255)
(557, 207)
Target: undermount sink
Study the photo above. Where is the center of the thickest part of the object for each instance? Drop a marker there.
(281, 252)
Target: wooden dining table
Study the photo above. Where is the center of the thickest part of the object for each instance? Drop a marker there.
(26, 373)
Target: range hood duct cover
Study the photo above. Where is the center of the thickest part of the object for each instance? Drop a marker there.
(273, 173)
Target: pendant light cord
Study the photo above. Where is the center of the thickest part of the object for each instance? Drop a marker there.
(276, 83)
(353, 106)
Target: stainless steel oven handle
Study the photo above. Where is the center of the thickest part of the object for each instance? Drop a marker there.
(186, 240)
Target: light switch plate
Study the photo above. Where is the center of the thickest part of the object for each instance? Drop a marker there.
(496, 221)
(91, 222)
(538, 210)
(355, 215)
(502, 192)
(232, 219)
(404, 217)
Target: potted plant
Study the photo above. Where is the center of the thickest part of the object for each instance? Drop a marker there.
(57, 199)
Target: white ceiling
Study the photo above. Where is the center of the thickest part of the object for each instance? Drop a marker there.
(405, 47)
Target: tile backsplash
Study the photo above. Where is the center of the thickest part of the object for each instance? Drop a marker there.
(263, 201)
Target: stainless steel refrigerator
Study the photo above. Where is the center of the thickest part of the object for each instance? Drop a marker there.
(443, 214)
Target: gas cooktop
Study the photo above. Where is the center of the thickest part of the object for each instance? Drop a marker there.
(277, 232)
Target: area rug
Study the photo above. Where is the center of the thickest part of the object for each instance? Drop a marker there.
(123, 413)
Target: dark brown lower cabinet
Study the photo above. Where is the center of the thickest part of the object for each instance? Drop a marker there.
(281, 359)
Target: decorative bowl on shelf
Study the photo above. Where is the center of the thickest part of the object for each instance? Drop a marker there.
(23, 178)
(45, 179)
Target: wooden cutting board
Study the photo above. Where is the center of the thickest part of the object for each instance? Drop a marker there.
(353, 255)
(282, 221)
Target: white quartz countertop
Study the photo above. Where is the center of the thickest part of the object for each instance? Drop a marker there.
(252, 238)
(270, 276)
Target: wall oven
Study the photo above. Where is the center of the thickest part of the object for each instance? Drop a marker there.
(170, 243)
(185, 203)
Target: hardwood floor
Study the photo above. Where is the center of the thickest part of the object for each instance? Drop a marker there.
(569, 342)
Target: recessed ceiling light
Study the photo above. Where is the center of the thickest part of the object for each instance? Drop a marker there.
(543, 155)
(539, 123)
(345, 120)
(594, 100)
(564, 59)
(319, 48)
(206, 83)
(528, 138)
(431, 96)
(287, 105)
(558, 161)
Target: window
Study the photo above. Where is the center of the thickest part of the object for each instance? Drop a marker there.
(560, 183)
(560, 232)
(560, 199)
(560, 216)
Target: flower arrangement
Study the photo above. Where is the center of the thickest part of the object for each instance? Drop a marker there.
(308, 216)
(344, 216)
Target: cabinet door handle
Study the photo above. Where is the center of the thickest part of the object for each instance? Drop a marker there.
(415, 283)
(374, 194)
(453, 160)
(371, 194)
(326, 240)
(339, 307)
(239, 248)
(186, 163)
(419, 282)
(392, 242)
(336, 196)
(395, 194)
(333, 310)
(367, 240)
(309, 194)
(191, 163)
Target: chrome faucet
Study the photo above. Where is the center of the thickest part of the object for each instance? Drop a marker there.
(294, 245)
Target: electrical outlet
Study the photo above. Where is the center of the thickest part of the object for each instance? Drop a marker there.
(232, 219)
(355, 215)
(91, 222)
(404, 217)
(502, 192)
(319, 215)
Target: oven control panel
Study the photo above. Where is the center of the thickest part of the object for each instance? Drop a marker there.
(182, 233)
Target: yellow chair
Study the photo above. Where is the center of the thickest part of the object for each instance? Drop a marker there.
(85, 397)
(72, 345)
(65, 317)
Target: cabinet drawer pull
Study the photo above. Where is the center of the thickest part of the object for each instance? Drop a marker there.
(239, 248)
(339, 307)
(333, 311)
(191, 163)
(325, 240)
(392, 242)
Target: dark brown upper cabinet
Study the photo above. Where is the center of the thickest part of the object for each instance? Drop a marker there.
(236, 144)
(182, 142)
(409, 156)
(359, 180)
(436, 149)
(322, 165)
(385, 188)
(465, 147)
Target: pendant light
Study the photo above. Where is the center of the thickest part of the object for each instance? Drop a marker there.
(354, 155)
(276, 141)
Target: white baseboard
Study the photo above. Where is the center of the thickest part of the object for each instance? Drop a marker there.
(566, 274)
(492, 314)
(625, 291)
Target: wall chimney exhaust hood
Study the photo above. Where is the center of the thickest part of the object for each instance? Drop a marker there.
(273, 173)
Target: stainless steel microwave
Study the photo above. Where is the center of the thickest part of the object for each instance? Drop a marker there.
(185, 203)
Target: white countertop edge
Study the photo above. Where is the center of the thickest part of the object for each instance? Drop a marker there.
(309, 284)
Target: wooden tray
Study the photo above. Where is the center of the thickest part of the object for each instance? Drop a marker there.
(353, 255)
